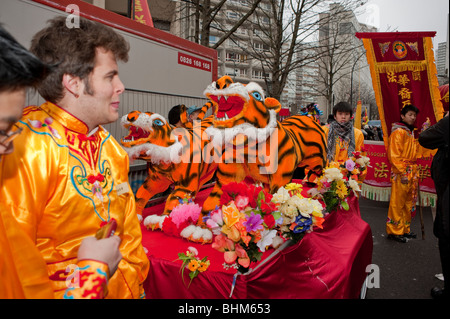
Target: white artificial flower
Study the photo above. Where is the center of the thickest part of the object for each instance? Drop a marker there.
(193, 250)
(317, 206)
(332, 174)
(290, 207)
(277, 241)
(363, 161)
(281, 196)
(305, 207)
(267, 237)
(354, 186)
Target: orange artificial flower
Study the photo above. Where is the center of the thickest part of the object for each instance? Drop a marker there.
(193, 265)
(203, 266)
(231, 232)
(318, 221)
(231, 214)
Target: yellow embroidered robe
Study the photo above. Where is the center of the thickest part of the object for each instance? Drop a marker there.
(61, 184)
(402, 154)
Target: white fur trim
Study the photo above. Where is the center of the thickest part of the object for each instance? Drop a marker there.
(233, 89)
(158, 154)
(143, 121)
(154, 220)
(226, 136)
(196, 233)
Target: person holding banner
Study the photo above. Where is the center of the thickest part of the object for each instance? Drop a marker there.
(437, 136)
(342, 138)
(402, 153)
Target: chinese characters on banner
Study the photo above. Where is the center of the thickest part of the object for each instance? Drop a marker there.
(377, 184)
(141, 12)
(403, 72)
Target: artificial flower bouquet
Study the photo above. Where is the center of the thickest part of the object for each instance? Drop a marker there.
(181, 222)
(339, 181)
(356, 165)
(299, 213)
(250, 220)
(244, 224)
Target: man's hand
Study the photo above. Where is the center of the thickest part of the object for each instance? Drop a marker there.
(103, 250)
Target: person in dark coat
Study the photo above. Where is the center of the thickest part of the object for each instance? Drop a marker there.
(434, 137)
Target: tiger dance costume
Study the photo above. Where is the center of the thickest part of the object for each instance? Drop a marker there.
(170, 161)
(297, 141)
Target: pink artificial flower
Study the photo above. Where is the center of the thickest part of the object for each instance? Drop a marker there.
(193, 250)
(349, 165)
(215, 222)
(241, 202)
(230, 257)
(185, 212)
(222, 243)
(326, 184)
(243, 258)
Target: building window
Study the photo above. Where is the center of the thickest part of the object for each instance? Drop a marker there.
(231, 71)
(324, 31)
(256, 74)
(236, 57)
(265, 6)
(261, 47)
(243, 72)
(232, 57)
(346, 28)
(213, 39)
(232, 15)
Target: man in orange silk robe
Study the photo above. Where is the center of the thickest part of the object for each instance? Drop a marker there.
(342, 137)
(23, 272)
(73, 175)
(403, 152)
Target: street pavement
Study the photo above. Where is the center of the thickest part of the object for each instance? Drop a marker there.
(407, 270)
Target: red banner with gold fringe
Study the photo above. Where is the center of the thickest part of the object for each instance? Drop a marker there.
(403, 72)
(377, 184)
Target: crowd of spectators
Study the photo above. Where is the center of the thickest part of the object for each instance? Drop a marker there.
(372, 133)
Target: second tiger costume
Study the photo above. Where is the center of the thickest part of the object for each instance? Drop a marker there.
(254, 144)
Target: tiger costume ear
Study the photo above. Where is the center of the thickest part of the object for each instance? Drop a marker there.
(272, 104)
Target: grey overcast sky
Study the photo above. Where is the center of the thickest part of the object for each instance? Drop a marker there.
(408, 15)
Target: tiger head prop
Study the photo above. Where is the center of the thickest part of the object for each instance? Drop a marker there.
(149, 138)
(237, 103)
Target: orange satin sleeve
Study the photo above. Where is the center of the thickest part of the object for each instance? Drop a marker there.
(402, 151)
(23, 272)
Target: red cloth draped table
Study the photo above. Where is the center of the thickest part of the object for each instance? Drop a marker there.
(327, 263)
